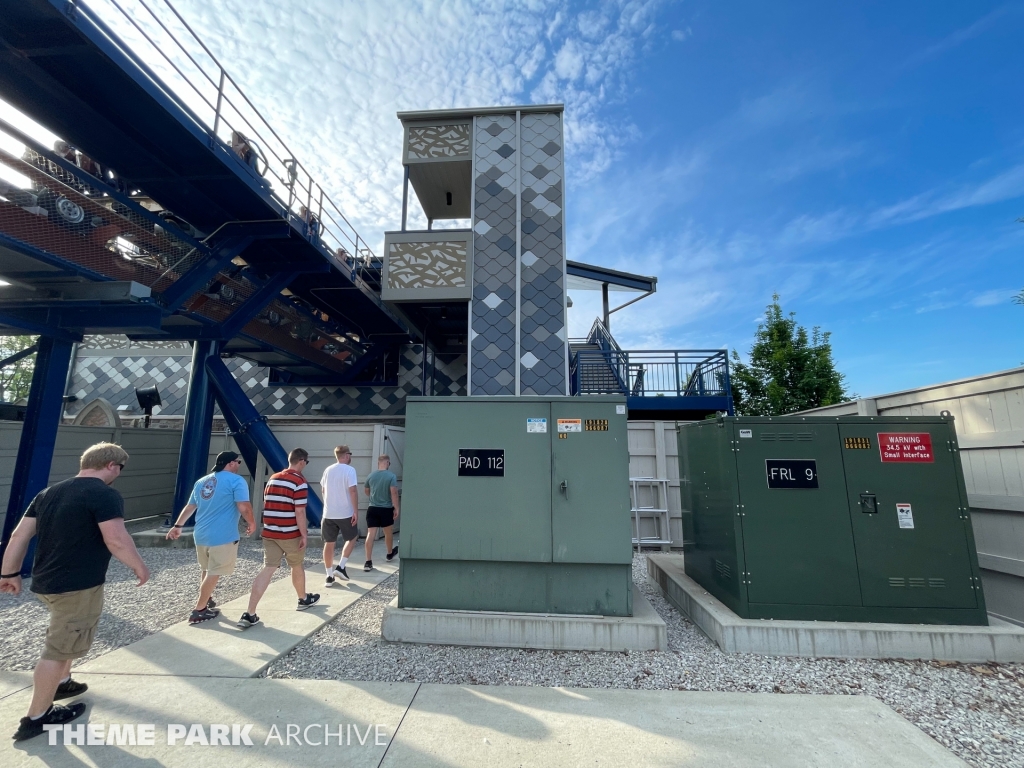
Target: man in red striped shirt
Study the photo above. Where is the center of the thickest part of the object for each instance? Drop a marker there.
(284, 534)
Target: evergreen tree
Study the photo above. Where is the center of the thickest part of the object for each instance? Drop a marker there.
(788, 370)
(16, 378)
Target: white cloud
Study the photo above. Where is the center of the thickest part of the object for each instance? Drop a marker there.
(682, 34)
(994, 297)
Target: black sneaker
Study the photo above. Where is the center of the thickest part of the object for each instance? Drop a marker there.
(211, 604)
(393, 552)
(247, 620)
(57, 714)
(368, 566)
(329, 581)
(309, 600)
(341, 572)
(69, 689)
(206, 614)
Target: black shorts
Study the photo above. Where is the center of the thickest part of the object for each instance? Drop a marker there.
(331, 528)
(380, 517)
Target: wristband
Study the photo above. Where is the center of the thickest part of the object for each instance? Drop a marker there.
(177, 526)
(10, 575)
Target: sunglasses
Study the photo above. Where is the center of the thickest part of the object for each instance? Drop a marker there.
(120, 466)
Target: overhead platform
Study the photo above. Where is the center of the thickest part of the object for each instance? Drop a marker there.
(64, 67)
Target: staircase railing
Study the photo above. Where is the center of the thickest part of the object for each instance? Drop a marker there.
(649, 373)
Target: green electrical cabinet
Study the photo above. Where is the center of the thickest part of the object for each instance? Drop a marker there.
(852, 518)
(517, 505)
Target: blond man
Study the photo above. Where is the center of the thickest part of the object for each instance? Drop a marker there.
(80, 525)
(341, 512)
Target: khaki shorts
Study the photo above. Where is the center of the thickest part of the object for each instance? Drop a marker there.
(218, 560)
(74, 617)
(289, 549)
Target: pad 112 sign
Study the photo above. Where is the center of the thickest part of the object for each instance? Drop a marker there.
(481, 462)
(791, 473)
(906, 447)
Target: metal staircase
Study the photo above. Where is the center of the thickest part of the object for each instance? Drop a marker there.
(666, 384)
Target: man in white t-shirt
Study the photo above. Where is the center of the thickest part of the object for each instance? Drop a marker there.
(341, 512)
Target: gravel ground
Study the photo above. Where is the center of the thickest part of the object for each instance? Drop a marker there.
(131, 613)
(977, 711)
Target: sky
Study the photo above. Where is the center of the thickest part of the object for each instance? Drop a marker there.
(865, 161)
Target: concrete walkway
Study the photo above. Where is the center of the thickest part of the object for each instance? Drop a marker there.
(218, 648)
(193, 690)
(406, 724)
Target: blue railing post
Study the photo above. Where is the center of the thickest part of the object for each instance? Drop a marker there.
(38, 434)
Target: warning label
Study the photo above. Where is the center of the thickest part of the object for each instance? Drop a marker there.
(906, 446)
(905, 515)
(570, 425)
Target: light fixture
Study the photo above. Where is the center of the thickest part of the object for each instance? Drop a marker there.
(149, 398)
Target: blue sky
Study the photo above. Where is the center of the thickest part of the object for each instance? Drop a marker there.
(864, 160)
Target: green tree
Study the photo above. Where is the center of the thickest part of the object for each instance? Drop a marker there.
(16, 378)
(788, 370)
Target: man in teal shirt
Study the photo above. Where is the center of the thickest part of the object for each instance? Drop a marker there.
(382, 488)
(217, 499)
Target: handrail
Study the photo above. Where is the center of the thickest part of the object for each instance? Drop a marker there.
(192, 84)
(600, 335)
(680, 373)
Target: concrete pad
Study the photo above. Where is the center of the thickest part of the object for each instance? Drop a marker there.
(471, 726)
(643, 631)
(13, 681)
(264, 703)
(218, 648)
(1001, 642)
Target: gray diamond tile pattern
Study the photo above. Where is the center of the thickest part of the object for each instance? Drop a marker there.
(115, 375)
(494, 265)
(542, 330)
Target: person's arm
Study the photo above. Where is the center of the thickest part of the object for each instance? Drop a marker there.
(14, 557)
(300, 520)
(366, 489)
(121, 546)
(353, 496)
(394, 499)
(186, 513)
(245, 510)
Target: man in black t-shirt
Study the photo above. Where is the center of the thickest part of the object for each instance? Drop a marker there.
(79, 524)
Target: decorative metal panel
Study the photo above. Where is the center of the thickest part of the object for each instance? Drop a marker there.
(437, 142)
(542, 328)
(424, 267)
(493, 309)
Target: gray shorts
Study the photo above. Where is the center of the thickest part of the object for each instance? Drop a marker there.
(331, 528)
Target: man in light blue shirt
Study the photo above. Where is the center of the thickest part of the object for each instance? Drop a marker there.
(218, 499)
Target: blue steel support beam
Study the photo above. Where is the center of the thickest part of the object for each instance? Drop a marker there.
(195, 438)
(250, 423)
(18, 356)
(38, 434)
(245, 444)
(256, 302)
(73, 317)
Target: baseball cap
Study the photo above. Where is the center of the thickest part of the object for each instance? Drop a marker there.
(223, 459)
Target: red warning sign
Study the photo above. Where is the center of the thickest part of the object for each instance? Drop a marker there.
(906, 446)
